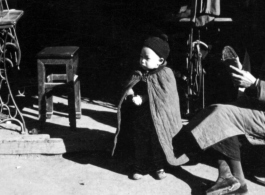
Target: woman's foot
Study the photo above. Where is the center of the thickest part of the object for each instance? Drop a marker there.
(224, 186)
(137, 176)
(161, 174)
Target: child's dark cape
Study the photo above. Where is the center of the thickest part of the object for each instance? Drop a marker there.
(165, 111)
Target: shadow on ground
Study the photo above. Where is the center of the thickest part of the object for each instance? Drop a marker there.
(93, 146)
(78, 140)
(103, 160)
(197, 184)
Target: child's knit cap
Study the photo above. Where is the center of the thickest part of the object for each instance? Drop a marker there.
(159, 45)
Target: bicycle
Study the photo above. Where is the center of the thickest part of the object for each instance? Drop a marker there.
(195, 72)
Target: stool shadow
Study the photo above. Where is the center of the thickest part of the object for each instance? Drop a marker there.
(108, 118)
(27, 101)
(85, 146)
(82, 139)
(102, 159)
(105, 117)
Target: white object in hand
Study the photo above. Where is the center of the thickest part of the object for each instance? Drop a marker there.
(130, 92)
(137, 100)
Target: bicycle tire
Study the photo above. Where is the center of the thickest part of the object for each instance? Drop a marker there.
(196, 75)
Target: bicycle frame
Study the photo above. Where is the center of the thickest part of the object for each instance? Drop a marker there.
(195, 80)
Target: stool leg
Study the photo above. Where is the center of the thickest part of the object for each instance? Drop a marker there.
(41, 93)
(71, 96)
(49, 103)
(71, 106)
(77, 88)
(77, 99)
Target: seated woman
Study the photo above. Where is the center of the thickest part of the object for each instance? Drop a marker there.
(216, 129)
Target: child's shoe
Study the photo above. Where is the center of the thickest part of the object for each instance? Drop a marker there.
(161, 174)
(137, 176)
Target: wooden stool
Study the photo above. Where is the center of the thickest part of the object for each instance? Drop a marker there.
(68, 58)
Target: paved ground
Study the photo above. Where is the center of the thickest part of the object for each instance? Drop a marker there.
(88, 168)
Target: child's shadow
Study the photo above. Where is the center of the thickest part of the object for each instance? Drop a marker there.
(101, 159)
(197, 184)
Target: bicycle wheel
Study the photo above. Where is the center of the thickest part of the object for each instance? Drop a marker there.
(196, 75)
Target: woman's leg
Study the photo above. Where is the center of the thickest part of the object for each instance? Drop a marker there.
(223, 170)
(237, 171)
(231, 178)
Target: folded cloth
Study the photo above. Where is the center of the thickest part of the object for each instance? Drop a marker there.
(206, 10)
(211, 7)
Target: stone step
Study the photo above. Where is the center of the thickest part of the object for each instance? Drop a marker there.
(31, 144)
(24, 137)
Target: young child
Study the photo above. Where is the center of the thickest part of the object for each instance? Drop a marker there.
(150, 112)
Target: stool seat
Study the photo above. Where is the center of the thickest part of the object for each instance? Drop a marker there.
(58, 52)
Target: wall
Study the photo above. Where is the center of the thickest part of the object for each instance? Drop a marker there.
(107, 32)
(110, 32)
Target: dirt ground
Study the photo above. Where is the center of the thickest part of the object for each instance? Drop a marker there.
(86, 173)
(87, 167)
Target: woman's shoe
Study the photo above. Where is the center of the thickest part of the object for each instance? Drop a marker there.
(243, 190)
(224, 186)
(161, 174)
(137, 176)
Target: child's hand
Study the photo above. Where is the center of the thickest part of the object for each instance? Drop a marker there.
(137, 100)
(130, 92)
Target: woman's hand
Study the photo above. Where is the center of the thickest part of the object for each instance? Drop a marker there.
(242, 78)
(137, 100)
(238, 63)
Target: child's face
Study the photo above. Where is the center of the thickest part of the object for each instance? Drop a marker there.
(149, 59)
